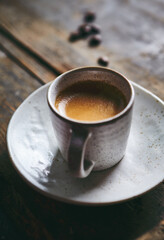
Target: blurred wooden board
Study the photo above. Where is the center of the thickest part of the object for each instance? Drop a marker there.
(132, 35)
(26, 61)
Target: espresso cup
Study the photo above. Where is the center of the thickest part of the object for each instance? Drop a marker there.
(95, 145)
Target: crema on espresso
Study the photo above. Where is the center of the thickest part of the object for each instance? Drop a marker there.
(90, 101)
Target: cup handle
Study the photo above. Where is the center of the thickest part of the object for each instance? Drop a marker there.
(79, 167)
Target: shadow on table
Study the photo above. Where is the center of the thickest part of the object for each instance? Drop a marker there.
(126, 220)
(34, 212)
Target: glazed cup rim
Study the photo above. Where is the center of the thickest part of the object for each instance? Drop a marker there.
(90, 123)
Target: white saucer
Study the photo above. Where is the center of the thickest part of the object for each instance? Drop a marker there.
(33, 151)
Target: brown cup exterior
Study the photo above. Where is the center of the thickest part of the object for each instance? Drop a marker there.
(107, 142)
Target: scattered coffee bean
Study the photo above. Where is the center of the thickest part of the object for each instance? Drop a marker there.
(89, 16)
(95, 29)
(103, 61)
(74, 36)
(95, 40)
(84, 30)
(88, 29)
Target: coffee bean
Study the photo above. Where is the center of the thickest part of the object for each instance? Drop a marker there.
(95, 29)
(74, 36)
(95, 40)
(103, 61)
(84, 30)
(89, 16)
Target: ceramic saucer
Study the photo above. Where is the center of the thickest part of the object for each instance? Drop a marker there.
(34, 153)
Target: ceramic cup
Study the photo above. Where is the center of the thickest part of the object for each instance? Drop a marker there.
(88, 146)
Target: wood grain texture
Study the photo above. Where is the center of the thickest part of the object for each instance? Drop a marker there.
(133, 48)
(25, 60)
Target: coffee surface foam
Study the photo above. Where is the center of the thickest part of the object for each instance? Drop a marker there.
(90, 101)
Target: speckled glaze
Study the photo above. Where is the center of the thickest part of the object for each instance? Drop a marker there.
(34, 153)
(107, 139)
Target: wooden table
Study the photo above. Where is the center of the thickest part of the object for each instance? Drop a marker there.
(34, 49)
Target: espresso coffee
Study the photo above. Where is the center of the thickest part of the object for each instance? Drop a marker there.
(90, 101)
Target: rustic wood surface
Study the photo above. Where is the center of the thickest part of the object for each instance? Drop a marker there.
(34, 50)
(24, 59)
(131, 35)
